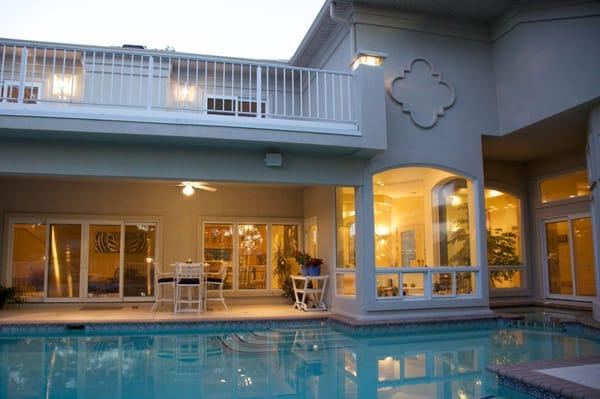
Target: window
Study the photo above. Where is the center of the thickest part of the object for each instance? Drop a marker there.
(218, 249)
(564, 187)
(424, 234)
(235, 106)
(284, 244)
(9, 92)
(345, 241)
(504, 239)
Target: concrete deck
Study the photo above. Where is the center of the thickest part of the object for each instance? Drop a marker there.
(576, 378)
(239, 309)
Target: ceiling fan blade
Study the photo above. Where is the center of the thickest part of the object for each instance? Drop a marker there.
(205, 188)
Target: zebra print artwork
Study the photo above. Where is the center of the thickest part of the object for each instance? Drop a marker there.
(106, 243)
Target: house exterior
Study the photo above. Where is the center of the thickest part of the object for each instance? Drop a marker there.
(440, 157)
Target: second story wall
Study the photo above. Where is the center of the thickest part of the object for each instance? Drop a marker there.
(546, 60)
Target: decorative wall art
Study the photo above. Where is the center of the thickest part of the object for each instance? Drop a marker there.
(422, 92)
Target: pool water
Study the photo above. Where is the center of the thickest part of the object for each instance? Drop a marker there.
(290, 361)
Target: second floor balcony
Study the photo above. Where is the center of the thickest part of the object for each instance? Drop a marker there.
(131, 84)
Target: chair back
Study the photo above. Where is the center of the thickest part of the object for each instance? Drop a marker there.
(223, 269)
(189, 270)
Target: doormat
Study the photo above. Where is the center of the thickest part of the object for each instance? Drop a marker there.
(101, 308)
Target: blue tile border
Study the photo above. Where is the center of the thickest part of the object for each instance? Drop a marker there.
(528, 389)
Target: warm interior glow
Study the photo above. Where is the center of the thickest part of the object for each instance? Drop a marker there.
(63, 87)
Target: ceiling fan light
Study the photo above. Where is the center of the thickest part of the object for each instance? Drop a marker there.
(187, 190)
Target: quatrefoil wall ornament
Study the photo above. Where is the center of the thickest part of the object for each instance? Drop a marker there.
(422, 93)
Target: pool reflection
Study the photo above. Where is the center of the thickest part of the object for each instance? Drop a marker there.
(300, 363)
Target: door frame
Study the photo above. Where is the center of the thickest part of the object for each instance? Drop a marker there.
(85, 220)
(544, 244)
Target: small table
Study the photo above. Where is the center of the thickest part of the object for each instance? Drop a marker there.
(301, 291)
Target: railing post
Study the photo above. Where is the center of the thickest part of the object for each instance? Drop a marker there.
(22, 74)
(258, 91)
(149, 83)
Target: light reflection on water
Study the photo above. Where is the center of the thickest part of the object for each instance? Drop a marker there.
(315, 362)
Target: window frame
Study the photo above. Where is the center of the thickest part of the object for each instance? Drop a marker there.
(374, 301)
(345, 270)
(549, 204)
(524, 233)
(235, 291)
(12, 83)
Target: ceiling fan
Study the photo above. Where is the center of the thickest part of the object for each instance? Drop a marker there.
(190, 186)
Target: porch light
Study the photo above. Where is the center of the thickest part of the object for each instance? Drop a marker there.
(187, 190)
(370, 58)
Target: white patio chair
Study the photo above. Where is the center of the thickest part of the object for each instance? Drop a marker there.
(190, 276)
(216, 280)
(162, 280)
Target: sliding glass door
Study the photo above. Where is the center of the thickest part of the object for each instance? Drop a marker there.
(569, 257)
(252, 252)
(104, 261)
(64, 261)
(60, 260)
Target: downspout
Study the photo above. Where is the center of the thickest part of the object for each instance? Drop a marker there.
(345, 22)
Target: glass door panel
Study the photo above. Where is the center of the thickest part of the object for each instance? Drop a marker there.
(104, 260)
(218, 249)
(29, 258)
(64, 261)
(583, 257)
(558, 258)
(140, 253)
(252, 252)
(284, 244)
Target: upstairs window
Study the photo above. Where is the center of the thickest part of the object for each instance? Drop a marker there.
(9, 92)
(234, 106)
(564, 187)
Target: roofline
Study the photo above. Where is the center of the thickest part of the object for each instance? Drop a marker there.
(323, 13)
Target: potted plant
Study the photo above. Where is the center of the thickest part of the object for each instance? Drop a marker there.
(303, 260)
(283, 272)
(314, 266)
(10, 295)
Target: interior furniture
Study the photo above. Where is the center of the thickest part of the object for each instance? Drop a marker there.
(216, 281)
(189, 276)
(163, 279)
(310, 288)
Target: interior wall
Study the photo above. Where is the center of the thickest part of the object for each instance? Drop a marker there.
(163, 199)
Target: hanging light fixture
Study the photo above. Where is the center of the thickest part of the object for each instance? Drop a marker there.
(187, 189)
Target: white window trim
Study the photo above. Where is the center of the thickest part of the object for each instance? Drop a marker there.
(5, 83)
(235, 221)
(538, 189)
(524, 267)
(544, 261)
(85, 220)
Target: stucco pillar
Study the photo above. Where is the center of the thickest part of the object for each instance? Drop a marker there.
(593, 163)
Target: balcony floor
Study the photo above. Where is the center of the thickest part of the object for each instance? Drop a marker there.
(142, 312)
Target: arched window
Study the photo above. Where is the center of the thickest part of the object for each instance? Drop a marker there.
(424, 233)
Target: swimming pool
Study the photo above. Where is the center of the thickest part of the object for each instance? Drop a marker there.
(292, 360)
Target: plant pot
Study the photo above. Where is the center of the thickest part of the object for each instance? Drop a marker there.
(304, 270)
(314, 270)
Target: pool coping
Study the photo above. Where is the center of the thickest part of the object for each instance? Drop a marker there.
(525, 378)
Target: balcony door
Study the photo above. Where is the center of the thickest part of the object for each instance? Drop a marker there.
(569, 258)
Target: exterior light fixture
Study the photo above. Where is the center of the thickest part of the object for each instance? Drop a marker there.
(187, 190)
(370, 58)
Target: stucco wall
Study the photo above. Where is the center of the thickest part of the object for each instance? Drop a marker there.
(546, 64)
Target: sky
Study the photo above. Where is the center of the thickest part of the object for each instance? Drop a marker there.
(263, 29)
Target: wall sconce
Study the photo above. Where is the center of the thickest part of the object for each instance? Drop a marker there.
(63, 87)
(370, 58)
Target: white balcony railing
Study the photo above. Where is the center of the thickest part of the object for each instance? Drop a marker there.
(155, 81)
